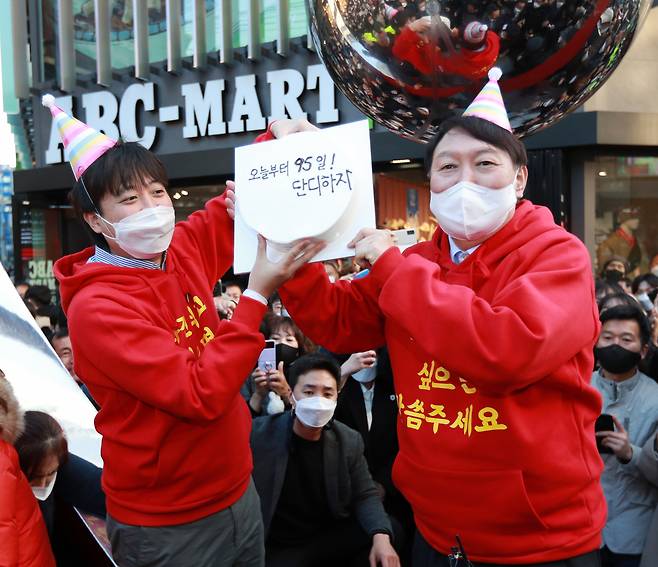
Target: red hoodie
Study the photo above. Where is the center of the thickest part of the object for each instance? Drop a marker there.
(427, 58)
(167, 374)
(23, 536)
(492, 360)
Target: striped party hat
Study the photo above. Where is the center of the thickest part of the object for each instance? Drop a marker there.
(82, 145)
(489, 104)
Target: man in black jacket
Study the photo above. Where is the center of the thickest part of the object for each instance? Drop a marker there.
(320, 505)
(367, 404)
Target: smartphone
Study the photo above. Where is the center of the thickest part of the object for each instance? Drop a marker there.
(267, 358)
(405, 237)
(603, 423)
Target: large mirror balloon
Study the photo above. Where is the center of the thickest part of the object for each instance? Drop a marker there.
(409, 64)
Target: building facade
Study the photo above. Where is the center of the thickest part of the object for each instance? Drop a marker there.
(193, 79)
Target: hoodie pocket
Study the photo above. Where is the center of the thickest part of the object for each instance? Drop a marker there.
(486, 501)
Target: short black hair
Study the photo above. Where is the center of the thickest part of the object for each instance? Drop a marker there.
(61, 333)
(629, 313)
(125, 165)
(605, 287)
(482, 130)
(650, 278)
(620, 298)
(308, 362)
(40, 295)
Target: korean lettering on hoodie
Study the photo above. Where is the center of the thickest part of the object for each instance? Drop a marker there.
(186, 323)
(434, 376)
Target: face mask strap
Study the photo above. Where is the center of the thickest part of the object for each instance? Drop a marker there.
(98, 213)
(82, 181)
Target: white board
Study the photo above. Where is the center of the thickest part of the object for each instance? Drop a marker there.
(313, 184)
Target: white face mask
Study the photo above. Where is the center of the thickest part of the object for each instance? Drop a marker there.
(467, 211)
(644, 301)
(315, 411)
(42, 493)
(145, 233)
(366, 375)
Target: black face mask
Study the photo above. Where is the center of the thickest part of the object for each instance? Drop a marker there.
(614, 275)
(286, 354)
(616, 359)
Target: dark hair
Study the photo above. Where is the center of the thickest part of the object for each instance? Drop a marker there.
(308, 362)
(60, 334)
(232, 284)
(650, 278)
(615, 259)
(276, 322)
(621, 298)
(41, 437)
(482, 130)
(125, 165)
(40, 295)
(604, 287)
(628, 313)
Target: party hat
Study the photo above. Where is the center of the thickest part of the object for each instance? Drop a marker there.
(82, 145)
(489, 104)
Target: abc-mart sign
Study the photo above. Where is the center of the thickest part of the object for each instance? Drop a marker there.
(173, 116)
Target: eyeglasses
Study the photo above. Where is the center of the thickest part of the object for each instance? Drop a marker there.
(458, 557)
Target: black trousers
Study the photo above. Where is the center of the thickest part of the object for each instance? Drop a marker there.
(424, 555)
(343, 543)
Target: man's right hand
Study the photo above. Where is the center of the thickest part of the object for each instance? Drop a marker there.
(261, 386)
(283, 128)
(358, 361)
(266, 276)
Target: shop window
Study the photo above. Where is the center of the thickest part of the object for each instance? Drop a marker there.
(402, 201)
(269, 20)
(627, 211)
(40, 244)
(48, 63)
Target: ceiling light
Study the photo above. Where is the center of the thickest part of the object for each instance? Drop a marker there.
(184, 193)
(398, 161)
(603, 174)
(176, 195)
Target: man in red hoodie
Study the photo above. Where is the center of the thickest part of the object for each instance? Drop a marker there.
(490, 329)
(164, 370)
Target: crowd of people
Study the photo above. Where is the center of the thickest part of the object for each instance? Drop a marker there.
(362, 386)
(466, 402)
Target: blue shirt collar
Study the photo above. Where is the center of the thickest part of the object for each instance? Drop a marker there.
(454, 250)
(101, 256)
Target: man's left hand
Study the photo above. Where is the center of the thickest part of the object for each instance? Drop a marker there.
(617, 441)
(382, 552)
(369, 244)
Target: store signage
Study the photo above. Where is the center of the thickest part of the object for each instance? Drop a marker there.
(40, 272)
(203, 109)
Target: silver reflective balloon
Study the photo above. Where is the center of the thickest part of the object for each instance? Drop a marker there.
(410, 64)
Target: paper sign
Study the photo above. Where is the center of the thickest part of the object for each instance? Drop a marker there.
(39, 379)
(309, 184)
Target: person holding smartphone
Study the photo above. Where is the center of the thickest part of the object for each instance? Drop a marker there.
(630, 399)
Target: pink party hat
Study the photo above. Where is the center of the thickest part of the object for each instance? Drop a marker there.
(489, 104)
(82, 145)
